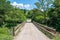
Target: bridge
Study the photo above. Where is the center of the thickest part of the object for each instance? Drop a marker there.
(30, 32)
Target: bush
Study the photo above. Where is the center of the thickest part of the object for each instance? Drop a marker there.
(5, 37)
(4, 34)
(4, 31)
(39, 19)
(57, 37)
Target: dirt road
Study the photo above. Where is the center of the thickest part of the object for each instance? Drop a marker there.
(30, 32)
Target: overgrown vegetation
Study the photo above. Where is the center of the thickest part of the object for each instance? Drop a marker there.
(47, 14)
(5, 35)
(10, 16)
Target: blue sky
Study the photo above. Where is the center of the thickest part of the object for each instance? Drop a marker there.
(27, 4)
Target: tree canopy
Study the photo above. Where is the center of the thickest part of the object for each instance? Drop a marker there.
(10, 15)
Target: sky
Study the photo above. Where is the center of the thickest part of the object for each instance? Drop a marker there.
(24, 4)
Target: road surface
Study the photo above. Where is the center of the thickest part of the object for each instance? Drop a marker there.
(30, 32)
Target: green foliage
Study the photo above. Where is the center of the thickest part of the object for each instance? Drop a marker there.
(5, 37)
(50, 16)
(39, 19)
(57, 37)
(38, 5)
(29, 14)
(37, 16)
(4, 34)
(54, 15)
(10, 16)
(57, 3)
(3, 31)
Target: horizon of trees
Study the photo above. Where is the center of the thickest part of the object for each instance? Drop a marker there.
(10, 15)
(49, 15)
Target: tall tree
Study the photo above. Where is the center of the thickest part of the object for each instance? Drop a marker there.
(43, 5)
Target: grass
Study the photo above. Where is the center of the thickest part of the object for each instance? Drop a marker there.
(57, 37)
(5, 35)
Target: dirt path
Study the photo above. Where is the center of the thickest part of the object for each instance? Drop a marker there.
(30, 32)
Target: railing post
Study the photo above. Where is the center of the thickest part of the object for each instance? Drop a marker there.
(13, 32)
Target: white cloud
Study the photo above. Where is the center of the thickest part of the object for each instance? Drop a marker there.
(27, 6)
(21, 5)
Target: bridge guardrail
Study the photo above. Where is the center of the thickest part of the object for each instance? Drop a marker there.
(46, 30)
(17, 28)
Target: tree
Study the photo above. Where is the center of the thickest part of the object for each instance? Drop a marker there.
(3, 10)
(57, 11)
(38, 5)
(10, 15)
(54, 16)
(43, 5)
